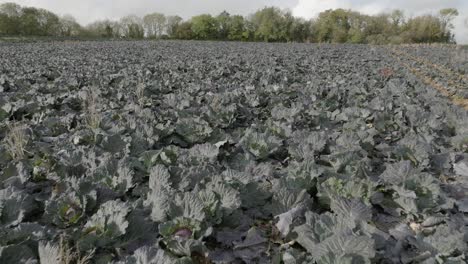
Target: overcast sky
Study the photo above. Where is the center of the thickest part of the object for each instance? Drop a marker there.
(86, 11)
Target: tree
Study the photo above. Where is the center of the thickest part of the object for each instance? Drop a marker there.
(11, 9)
(132, 27)
(69, 26)
(379, 29)
(397, 21)
(38, 22)
(332, 26)
(172, 24)
(184, 31)
(358, 25)
(29, 22)
(10, 14)
(236, 28)
(268, 24)
(287, 26)
(204, 27)
(223, 21)
(154, 24)
(294, 29)
(447, 15)
(249, 30)
(424, 29)
(397, 17)
(49, 23)
(103, 29)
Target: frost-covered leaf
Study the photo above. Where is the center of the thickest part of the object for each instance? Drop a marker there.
(49, 253)
(24, 170)
(188, 205)
(68, 209)
(347, 161)
(223, 153)
(237, 176)
(150, 255)
(335, 188)
(186, 248)
(398, 173)
(123, 180)
(433, 221)
(306, 144)
(406, 199)
(328, 233)
(306, 172)
(284, 199)
(183, 236)
(352, 209)
(223, 116)
(316, 229)
(160, 195)
(181, 227)
(203, 153)
(260, 145)
(159, 178)
(228, 196)
(193, 130)
(110, 219)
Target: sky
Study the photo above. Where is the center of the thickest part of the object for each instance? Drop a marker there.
(86, 11)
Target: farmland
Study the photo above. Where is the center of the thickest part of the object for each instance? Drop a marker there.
(225, 152)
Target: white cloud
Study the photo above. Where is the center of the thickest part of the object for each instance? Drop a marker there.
(310, 8)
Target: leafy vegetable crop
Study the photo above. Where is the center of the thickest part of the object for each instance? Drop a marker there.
(201, 152)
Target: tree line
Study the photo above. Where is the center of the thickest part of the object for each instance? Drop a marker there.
(269, 24)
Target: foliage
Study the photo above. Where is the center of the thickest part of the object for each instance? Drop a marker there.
(269, 24)
(204, 27)
(208, 152)
(154, 24)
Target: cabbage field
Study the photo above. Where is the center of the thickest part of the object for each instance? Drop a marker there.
(213, 152)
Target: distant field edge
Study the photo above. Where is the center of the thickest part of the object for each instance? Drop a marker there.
(32, 39)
